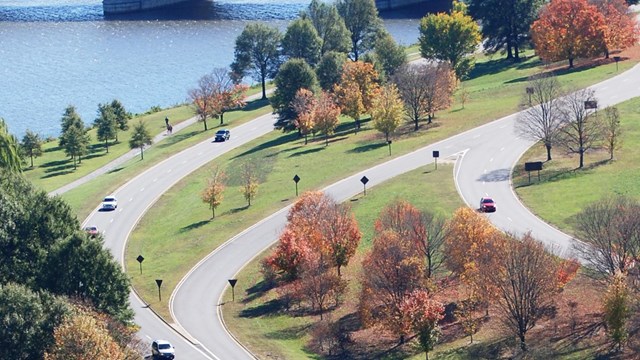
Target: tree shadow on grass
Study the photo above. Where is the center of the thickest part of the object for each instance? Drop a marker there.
(367, 147)
(492, 67)
(308, 151)
(257, 291)
(194, 225)
(283, 139)
(254, 105)
(177, 138)
(55, 163)
(291, 333)
(269, 308)
(59, 173)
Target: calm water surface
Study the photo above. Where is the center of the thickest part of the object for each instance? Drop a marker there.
(55, 53)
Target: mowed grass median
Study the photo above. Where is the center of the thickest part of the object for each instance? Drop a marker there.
(564, 190)
(178, 231)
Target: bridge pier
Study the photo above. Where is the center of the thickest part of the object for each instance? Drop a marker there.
(127, 6)
(395, 4)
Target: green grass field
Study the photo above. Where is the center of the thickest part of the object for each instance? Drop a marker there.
(565, 190)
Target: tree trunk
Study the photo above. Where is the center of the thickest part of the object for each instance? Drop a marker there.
(32, 158)
(264, 90)
(570, 63)
(581, 159)
(222, 118)
(523, 344)
(141, 153)
(548, 146)
(415, 128)
(106, 145)
(213, 212)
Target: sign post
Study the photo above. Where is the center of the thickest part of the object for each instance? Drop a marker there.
(364, 182)
(233, 282)
(436, 155)
(159, 283)
(140, 259)
(533, 166)
(296, 179)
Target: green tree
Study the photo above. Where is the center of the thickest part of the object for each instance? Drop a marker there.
(387, 110)
(450, 37)
(388, 53)
(256, 51)
(295, 74)
(31, 145)
(31, 223)
(27, 320)
(122, 116)
(105, 124)
(9, 149)
(76, 143)
(139, 138)
(329, 69)
(505, 23)
(361, 19)
(70, 119)
(330, 26)
(301, 40)
(79, 266)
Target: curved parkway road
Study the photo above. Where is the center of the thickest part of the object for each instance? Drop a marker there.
(486, 155)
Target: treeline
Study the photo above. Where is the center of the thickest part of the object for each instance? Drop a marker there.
(62, 294)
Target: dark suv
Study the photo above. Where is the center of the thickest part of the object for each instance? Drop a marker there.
(223, 135)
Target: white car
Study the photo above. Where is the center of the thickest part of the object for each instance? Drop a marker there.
(110, 203)
(162, 349)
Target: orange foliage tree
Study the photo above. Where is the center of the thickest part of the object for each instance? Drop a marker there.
(568, 29)
(422, 313)
(358, 87)
(621, 28)
(391, 271)
(423, 229)
(212, 194)
(325, 116)
(303, 104)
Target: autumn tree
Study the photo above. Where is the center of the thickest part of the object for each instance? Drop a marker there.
(256, 52)
(542, 119)
(295, 74)
(450, 37)
(612, 130)
(391, 271)
(526, 283)
(80, 335)
(105, 124)
(616, 304)
(357, 88)
(340, 234)
(556, 39)
(225, 94)
(362, 21)
(31, 145)
(289, 256)
(620, 30)
(609, 228)
(301, 41)
(212, 194)
(202, 97)
(303, 105)
(139, 138)
(249, 176)
(425, 88)
(387, 110)
(581, 130)
(505, 23)
(330, 27)
(325, 116)
(329, 69)
(466, 313)
(320, 286)
(423, 313)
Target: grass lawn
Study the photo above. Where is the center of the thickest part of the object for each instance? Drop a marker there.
(564, 190)
(178, 230)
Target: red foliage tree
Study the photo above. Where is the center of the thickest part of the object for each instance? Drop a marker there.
(289, 256)
(422, 314)
(621, 28)
(568, 29)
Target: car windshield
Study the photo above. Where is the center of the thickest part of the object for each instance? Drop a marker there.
(91, 228)
(164, 346)
(109, 199)
(487, 201)
(220, 132)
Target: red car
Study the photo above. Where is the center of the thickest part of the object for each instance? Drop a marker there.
(91, 231)
(487, 205)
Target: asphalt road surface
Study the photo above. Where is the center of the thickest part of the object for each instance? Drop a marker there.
(485, 156)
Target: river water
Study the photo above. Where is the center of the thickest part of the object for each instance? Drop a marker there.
(55, 53)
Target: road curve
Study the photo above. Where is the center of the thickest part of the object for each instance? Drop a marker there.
(487, 155)
(139, 194)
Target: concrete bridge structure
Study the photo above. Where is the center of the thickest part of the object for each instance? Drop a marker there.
(128, 6)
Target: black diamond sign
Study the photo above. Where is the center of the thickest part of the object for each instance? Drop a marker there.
(364, 180)
(296, 178)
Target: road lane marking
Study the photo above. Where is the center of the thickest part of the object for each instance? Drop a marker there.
(491, 160)
(156, 179)
(130, 199)
(111, 220)
(502, 149)
(477, 136)
(168, 171)
(142, 189)
(508, 218)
